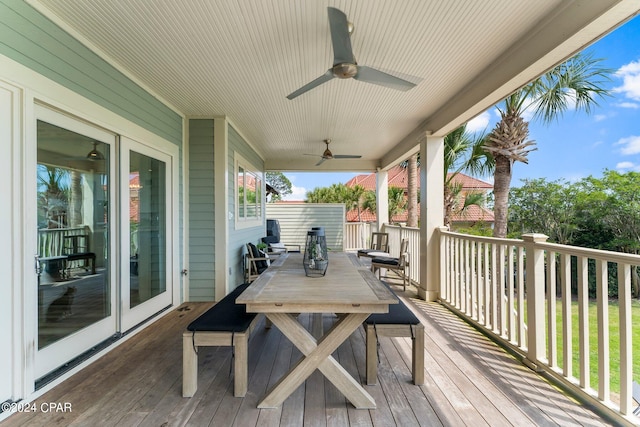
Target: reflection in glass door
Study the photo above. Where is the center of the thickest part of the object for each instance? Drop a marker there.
(74, 294)
(148, 227)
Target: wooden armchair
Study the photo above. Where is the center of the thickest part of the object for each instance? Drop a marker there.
(379, 245)
(255, 263)
(397, 265)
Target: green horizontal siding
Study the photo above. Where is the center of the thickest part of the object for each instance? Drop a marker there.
(28, 37)
(238, 238)
(201, 211)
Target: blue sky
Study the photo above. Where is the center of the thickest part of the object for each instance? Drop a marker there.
(576, 146)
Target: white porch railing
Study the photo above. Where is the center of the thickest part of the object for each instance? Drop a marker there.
(519, 291)
(356, 235)
(51, 240)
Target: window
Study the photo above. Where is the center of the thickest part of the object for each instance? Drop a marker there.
(249, 191)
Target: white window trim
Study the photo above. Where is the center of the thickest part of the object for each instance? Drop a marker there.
(241, 221)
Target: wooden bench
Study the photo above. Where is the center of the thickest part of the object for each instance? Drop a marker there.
(224, 324)
(398, 322)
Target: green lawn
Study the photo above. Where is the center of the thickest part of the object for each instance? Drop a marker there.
(614, 342)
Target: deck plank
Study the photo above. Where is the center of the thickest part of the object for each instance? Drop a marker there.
(469, 381)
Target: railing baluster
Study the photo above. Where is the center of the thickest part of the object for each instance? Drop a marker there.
(502, 259)
(511, 318)
(522, 340)
(494, 288)
(626, 350)
(468, 290)
(486, 284)
(460, 256)
(583, 320)
(602, 301)
(478, 281)
(567, 332)
(551, 282)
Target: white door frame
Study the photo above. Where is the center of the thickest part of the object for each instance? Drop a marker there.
(11, 350)
(133, 316)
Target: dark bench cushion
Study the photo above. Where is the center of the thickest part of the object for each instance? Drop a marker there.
(398, 314)
(261, 264)
(385, 260)
(225, 316)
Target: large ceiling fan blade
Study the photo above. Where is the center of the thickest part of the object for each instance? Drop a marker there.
(377, 77)
(317, 82)
(320, 162)
(340, 38)
(345, 156)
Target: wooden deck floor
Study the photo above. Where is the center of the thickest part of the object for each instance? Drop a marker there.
(469, 381)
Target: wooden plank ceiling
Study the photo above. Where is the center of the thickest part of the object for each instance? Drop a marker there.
(241, 58)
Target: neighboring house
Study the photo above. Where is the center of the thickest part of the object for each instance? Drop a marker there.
(397, 177)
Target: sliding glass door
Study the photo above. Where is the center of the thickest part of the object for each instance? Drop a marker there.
(146, 225)
(105, 236)
(74, 269)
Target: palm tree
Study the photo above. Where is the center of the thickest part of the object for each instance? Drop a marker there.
(53, 195)
(578, 81)
(354, 198)
(463, 152)
(397, 202)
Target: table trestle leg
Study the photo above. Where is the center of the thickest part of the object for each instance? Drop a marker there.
(318, 356)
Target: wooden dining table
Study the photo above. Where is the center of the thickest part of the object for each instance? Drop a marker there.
(348, 289)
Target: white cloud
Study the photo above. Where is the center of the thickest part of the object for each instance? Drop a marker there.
(630, 75)
(479, 123)
(297, 193)
(625, 165)
(628, 105)
(630, 145)
(599, 117)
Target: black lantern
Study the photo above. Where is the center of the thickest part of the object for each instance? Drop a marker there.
(316, 256)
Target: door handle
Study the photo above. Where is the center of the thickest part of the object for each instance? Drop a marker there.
(38, 266)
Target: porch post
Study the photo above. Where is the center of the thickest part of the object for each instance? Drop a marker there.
(221, 195)
(431, 214)
(382, 198)
(535, 298)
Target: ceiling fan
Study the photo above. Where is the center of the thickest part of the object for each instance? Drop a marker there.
(344, 62)
(328, 155)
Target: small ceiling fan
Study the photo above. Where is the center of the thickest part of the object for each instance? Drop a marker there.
(328, 155)
(344, 62)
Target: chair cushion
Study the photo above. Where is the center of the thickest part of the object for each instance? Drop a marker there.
(225, 316)
(386, 260)
(277, 248)
(261, 265)
(399, 314)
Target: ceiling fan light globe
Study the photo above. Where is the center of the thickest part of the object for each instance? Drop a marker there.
(345, 70)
